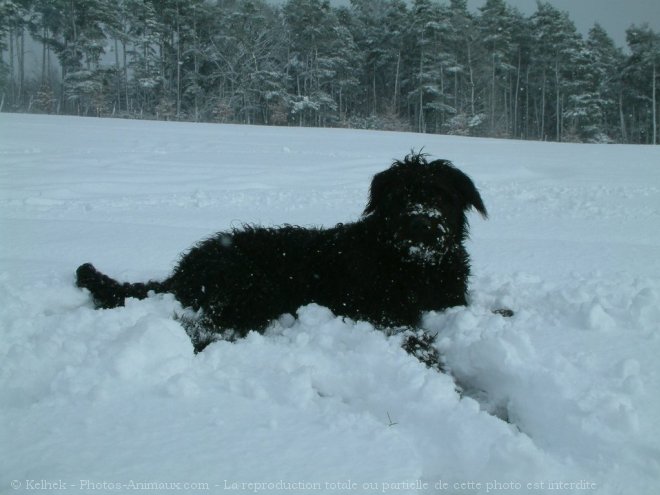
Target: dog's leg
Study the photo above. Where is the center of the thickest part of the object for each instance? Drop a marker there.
(420, 344)
(107, 292)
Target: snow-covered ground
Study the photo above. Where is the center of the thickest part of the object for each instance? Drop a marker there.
(115, 401)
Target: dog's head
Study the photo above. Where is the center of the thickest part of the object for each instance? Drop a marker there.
(424, 204)
(414, 186)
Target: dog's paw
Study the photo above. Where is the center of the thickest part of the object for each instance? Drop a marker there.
(420, 345)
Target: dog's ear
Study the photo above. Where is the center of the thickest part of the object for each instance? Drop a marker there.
(461, 185)
(390, 192)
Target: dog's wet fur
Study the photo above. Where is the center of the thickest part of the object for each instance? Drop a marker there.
(404, 256)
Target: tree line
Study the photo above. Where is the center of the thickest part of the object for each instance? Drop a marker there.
(425, 66)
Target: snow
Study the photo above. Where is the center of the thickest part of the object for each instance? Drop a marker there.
(560, 398)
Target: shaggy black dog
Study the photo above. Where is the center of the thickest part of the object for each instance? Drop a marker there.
(403, 257)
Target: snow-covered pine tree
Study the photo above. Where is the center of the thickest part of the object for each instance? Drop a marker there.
(429, 93)
(495, 24)
(555, 50)
(641, 73)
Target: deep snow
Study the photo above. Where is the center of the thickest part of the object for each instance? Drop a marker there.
(102, 401)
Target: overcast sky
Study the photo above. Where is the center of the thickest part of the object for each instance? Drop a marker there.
(614, 15)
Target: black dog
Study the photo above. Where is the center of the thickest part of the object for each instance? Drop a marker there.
(404, 256)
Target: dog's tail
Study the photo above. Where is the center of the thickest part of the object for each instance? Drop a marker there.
(107, 292)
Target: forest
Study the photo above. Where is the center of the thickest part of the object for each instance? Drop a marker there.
(422, 66)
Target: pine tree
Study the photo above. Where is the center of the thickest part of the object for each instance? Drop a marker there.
(556, 46)
(429, 94)
(13, 22)
(380, 31)
(583, 108)
(5, 12)
(347, 90)
(462, 43)
(603, 86)
(312, 65)
(521, 51)
(144, 34)
(496, 26)
(641, 72)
